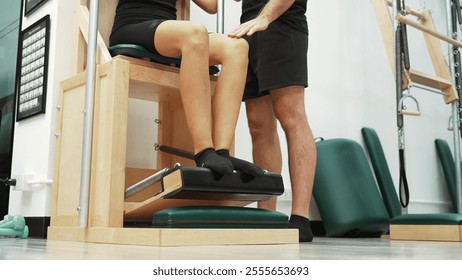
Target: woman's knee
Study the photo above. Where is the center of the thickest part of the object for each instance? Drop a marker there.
(195, 37)
(236, 50)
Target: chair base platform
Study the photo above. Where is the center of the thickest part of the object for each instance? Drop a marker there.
(174, 237)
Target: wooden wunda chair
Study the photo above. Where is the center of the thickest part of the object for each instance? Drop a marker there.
(110, 208)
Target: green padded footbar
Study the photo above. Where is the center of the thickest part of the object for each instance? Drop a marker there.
(138, 51)
(141, 52)
(219, 217)
(345, 191)
(381, 171)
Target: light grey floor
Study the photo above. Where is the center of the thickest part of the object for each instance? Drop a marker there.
(320, 249)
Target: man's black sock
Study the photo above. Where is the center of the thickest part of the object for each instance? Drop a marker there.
(210, 159)
(303, 226)
(242, 165)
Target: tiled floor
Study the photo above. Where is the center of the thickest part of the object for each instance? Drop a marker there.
(320, 249)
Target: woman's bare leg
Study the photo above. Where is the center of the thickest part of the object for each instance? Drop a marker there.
(232, 54)
(191, 40)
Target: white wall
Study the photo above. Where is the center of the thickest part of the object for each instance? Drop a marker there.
(351, 86)
(34, 140)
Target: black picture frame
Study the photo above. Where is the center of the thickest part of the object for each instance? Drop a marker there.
(32, 5)
(32, 69)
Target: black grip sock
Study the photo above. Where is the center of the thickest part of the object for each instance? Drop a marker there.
(210, 159)
(242, 165)
(303, 226)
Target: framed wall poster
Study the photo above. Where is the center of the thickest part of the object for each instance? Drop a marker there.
(33, 69)
(32, 5)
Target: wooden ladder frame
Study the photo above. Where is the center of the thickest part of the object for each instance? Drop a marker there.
(443, 80)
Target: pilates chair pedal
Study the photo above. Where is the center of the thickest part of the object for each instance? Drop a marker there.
(138, 51)
(202, 183)
(199, 184)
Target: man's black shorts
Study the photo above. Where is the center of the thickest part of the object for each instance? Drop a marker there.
(277, 59)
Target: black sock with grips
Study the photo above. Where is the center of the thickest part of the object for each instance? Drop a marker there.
(241, 165)
(210, 159)
(303, 225)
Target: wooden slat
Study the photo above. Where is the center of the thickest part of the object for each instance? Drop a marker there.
(438, 59)
(84, 21)
(384, 20)
(107, 182)
(429, 81)
(155, 82)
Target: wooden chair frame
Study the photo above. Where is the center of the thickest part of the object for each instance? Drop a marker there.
(119, 79)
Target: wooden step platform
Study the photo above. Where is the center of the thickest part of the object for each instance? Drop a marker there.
(427, 227)
(174, 237)
(426, 232)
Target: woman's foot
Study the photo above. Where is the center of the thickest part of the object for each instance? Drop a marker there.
(210, 159)
(242, 165)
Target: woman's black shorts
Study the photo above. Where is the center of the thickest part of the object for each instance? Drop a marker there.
(137, 33)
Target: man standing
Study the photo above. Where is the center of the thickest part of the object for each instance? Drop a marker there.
(277, 32)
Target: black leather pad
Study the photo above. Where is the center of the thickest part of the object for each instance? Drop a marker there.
(202, 183)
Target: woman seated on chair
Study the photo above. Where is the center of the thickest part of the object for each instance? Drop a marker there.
(211, 122)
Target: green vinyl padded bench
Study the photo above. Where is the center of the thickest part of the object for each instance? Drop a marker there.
(219, 217)
(138, 51)
(433, 226)
(345, 191)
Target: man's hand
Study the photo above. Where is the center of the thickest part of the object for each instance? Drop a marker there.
(250, 27)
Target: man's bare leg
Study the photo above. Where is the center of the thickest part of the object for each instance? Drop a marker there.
(266, 150)
(289, 109)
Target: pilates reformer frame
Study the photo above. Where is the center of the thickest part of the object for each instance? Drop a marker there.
(104, 185)
(394, 35)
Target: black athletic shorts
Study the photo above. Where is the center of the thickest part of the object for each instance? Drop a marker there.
(137, 33)
(277, 59)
